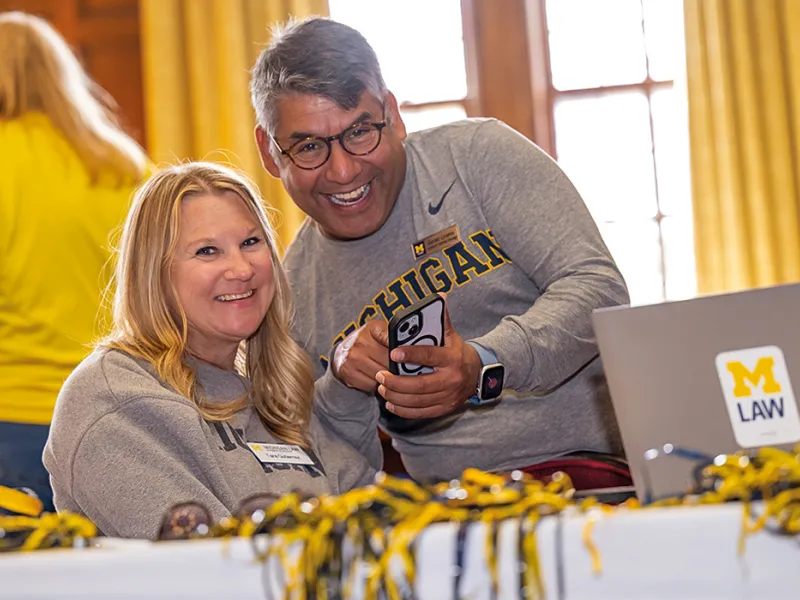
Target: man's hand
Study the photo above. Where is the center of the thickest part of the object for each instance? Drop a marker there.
(361, 355)
(456, 367)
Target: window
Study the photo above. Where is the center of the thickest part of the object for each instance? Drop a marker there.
(621, 133)
(420, 46)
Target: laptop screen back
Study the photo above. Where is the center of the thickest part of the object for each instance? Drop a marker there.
(710, 375)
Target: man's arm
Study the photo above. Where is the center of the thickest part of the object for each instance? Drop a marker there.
(541, 222)
(543, 225)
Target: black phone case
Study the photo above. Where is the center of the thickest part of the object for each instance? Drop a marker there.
(420, 324)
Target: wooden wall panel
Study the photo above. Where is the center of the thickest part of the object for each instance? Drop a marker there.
(116, 64)
(505, 43)
(88, 9)
(105, 36)
(500, 61)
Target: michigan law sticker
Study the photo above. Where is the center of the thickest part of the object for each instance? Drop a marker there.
(759, 396)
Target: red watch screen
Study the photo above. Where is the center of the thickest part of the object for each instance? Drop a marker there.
(492, 382)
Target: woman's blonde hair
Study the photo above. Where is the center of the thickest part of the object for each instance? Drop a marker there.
(39, 73)
(144, 327)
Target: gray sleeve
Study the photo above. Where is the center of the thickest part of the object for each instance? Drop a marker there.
(350, 414)
(134, 464)
(345, 468)
(358, 475)
(541, 222)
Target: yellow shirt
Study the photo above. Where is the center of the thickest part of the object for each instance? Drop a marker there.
(54, 264)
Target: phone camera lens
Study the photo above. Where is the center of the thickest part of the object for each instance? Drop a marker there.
(414, 330)
(404, 326)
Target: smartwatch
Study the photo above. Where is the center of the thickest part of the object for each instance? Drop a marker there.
(490, 382)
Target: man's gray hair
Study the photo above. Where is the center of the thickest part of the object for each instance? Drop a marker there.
(316, 56)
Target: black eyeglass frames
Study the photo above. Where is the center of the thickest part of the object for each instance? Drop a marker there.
(311, 153)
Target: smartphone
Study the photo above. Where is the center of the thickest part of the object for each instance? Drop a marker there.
(419, 325)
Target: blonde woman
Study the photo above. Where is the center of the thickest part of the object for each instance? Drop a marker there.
(68, 171)
(199, 394)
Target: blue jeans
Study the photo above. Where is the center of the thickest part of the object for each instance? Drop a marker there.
(21, 447)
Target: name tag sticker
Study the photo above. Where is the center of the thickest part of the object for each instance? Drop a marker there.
(285, 454)
(759, 396)
(435, 242)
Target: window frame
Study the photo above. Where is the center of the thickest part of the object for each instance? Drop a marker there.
(509, 77)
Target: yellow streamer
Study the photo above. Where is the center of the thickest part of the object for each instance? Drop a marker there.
(381, 523)
(20, 502)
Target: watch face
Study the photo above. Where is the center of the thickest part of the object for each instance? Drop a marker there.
(492, 382)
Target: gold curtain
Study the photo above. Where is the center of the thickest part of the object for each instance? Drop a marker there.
(196, 57)
(743, 79)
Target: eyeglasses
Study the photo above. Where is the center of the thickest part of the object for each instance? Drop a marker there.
(311, 153)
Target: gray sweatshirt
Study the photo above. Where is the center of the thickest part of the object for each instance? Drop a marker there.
(489, 218)
(124, 448)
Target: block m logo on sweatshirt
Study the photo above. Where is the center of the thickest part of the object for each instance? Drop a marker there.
(759, 396)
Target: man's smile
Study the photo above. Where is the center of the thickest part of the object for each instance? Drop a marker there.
(352, 197)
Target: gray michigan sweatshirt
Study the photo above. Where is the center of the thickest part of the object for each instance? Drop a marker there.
(490, 219)
(124, 448)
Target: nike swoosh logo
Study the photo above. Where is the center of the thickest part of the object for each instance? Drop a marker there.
(435, 209)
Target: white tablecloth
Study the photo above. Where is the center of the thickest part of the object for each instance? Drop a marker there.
(686, 553)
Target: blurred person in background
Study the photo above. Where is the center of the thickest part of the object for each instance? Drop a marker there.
(68, 171)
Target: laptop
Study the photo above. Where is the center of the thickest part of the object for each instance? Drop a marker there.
(697, 378)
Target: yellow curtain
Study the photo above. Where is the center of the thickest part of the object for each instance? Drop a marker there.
(743, 78)
(196, 57)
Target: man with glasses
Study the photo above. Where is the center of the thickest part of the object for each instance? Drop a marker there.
(472, 210)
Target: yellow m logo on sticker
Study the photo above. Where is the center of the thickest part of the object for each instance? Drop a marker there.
(763, 370)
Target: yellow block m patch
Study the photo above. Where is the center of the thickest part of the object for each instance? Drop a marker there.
(764, 369)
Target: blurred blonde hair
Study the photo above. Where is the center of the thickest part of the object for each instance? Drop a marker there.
(39, 73)
(144, 327)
